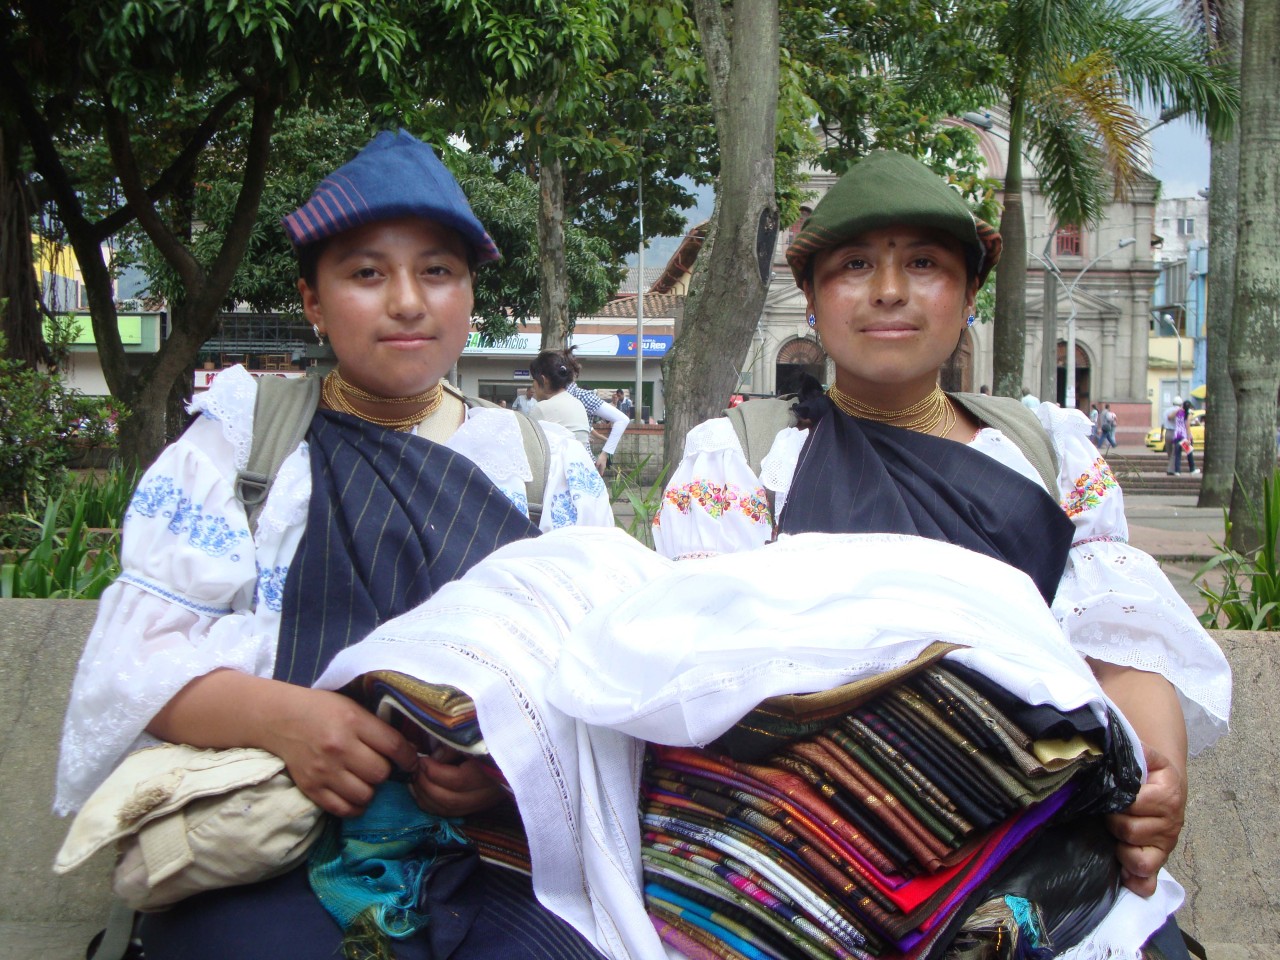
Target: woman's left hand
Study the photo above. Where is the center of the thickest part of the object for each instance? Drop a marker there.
(602, 461)
(1148, 831)
(451, 784)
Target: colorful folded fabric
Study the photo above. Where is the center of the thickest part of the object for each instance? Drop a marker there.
(876, 819)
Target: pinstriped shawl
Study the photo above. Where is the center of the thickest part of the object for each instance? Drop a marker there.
(393, 517)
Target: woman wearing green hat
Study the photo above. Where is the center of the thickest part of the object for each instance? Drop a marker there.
(890, 263)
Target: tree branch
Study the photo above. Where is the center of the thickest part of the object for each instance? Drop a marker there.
(88, 250)
(174, 174)
(116, 127)
(257, 155)
(717, 49)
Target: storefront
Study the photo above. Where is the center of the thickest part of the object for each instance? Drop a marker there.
(498, 371)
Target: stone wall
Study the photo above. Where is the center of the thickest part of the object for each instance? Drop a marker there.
(1229, 858)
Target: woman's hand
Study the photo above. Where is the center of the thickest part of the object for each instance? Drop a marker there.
(335, 750)
(602, 461)
(1148, 831)
(451, 784)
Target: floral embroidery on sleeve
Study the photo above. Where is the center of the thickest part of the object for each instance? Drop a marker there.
(162, 497)
(717, 500)
(583, 482)
(1091, 486)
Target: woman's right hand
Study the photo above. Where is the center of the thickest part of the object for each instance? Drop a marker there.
(335, 750)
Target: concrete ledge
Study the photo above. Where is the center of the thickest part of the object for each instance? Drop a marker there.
(1229, 858)
(40, 644)
(1229, 855)
(46, 941)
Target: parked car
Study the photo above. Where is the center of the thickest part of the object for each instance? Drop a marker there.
(1155, 436)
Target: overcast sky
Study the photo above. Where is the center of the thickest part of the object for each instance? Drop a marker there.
(1180, 158)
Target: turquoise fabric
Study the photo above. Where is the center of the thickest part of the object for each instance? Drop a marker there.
(380, 860)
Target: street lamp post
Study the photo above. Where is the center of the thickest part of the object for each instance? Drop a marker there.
(1167, 319)
(637, 406)
(1069, 400)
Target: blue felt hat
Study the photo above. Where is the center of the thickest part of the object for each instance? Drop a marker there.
(396, 175)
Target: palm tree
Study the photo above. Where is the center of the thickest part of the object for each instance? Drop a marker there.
(1218, 23)
(1255, 328)
(1076, 73)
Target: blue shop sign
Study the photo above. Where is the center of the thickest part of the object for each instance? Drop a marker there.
(654, 346)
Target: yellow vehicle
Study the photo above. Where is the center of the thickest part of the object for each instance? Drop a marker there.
(1155, 436)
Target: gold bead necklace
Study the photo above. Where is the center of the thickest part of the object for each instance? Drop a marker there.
(334, 390)
(926, 416)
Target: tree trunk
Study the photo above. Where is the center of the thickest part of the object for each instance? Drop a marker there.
(19, 291)
(1224, 185)
(554, 293)
(1255, 331)
(740, 44)
(1049, 337)
(1010, 331)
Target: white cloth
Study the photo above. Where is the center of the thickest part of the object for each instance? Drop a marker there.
(554, 640)
(566, 410)
(1113, 602)
(617, 426)
(197, 593)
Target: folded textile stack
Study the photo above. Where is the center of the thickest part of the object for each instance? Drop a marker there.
(428, 714)
(435, 714)
(859, 822)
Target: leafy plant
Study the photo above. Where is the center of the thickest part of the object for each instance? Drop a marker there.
(66, 563)
(105, 497)
(644, 501)
(1249, 597)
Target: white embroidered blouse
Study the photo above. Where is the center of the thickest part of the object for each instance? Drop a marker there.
(198, 593)
(1113, 604)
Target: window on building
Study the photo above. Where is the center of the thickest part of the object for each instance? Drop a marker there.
(1186, 227)
(1067, 242)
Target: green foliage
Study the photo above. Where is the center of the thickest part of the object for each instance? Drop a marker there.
(68, 562)
(507, 292)
(631, 111)
(885, 76)
(1248, 597)
(105, 497)
(1080, 68)
(645, 502)
(41, 424)
(311, 143)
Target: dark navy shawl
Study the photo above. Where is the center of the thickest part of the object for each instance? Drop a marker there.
(392, 518)
(858, 476)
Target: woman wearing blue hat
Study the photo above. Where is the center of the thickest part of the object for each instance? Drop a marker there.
(890, 263)
(219, 624)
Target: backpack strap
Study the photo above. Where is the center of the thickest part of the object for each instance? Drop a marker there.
(282, 413)
(1020, 425)
(536, 450)
(757, 423)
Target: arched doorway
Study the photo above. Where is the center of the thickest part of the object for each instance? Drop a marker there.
(795, 359)
(956, 375)
(1083, 378)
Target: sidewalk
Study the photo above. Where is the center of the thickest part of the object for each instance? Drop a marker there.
(1178, 534)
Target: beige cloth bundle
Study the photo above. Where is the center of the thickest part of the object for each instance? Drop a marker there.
(185, 820)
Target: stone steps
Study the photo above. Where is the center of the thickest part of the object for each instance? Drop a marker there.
(1144, 473)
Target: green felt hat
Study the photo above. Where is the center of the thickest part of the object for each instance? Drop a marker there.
(887, 189)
